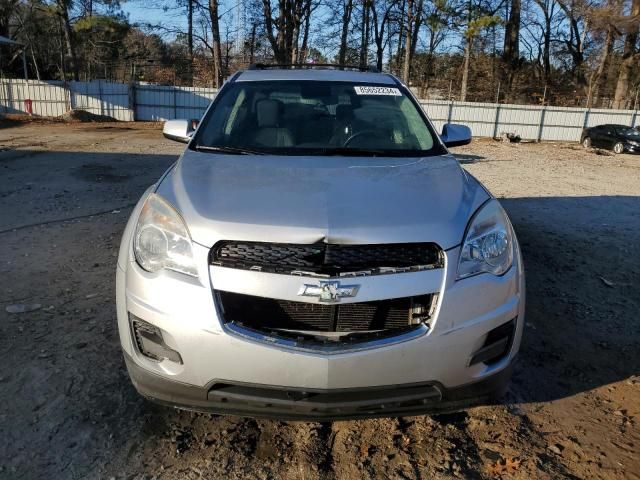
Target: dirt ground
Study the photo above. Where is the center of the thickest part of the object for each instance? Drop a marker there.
(68, 410)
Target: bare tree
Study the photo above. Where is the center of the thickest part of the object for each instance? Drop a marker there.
(381, 12)
(283, 31)
(407, 43)
(401, 33)
(190, 28)
(630, 57)
(547, 9)
(438, 19)
(304, 49)
(364, 32)
(511, 50)
(478, 16)
(215, 41)
(190, 36)
(63, 12)
(344, 34)
(604, 22)
(415, 10)
(578, 26)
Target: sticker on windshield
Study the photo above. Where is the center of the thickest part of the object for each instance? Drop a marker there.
(394, 92)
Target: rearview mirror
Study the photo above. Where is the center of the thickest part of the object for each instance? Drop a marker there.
(454, 135)
(179, 130)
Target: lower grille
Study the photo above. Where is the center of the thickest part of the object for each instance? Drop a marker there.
(268, 314)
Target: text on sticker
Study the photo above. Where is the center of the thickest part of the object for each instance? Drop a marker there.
(394, 92)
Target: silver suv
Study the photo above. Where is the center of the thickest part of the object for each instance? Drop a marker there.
(317, 253)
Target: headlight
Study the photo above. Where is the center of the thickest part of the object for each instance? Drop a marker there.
(634, 143)
(162, 240)
(488, 243)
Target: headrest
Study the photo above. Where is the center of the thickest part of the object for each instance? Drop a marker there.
(344, 112)
(268, 112)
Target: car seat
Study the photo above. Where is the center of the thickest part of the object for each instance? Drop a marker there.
(269, 132)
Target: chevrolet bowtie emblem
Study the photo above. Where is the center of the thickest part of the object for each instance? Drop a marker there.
(329, 292)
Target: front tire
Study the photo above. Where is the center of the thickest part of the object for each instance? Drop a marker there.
(586, 142)
(618, 148)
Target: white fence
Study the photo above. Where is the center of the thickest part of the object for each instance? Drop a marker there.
(528, 121)
(125, 102)
(129, 102)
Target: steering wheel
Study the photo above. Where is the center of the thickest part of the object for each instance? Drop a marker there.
(359, 134)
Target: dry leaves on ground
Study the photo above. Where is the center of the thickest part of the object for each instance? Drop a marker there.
(503, 467)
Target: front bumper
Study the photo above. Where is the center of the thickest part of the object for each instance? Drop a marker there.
(631, 148)
(288, 403)
(433, 369)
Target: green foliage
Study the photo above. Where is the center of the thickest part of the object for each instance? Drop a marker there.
(103, 25)
(481, 23)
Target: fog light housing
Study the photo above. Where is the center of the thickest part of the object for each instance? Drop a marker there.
(148, 339)
(496, 346)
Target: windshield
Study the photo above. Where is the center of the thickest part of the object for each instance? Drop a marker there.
(316, 118)
(630, 133)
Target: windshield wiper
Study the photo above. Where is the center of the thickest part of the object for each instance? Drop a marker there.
(230, 150)
(354, 152)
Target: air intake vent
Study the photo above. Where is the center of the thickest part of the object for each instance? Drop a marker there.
(267, 314)
(497, 345)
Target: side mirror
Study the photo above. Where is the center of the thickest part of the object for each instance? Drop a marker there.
(454, 135)
(179, 130)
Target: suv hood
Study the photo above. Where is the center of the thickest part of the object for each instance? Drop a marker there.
(291, 199)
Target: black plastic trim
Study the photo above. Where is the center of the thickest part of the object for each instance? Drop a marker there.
(411, 399)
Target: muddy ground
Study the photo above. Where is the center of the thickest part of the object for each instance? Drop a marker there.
(67, 409)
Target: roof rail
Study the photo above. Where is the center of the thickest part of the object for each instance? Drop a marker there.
(329, 66)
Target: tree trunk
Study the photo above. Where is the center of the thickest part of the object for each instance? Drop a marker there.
(546, 53)
(281, 37)
(252, 46)
(599, 78)
(215, 41)
(284, 42)
(35, 63)
(511, 53)
(364, 37)
(378, 34)
(302, 57)
(545, 57)
(68, 37)
(295, 30)
(190, 37)
(190, 28)
(575, 43)
(628, 67)
(417, 24)
(465, 69)
(346, 19)
(400, 35)
(630, 61)
(407, 43)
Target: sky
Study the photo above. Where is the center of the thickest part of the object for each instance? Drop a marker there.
(140, 12)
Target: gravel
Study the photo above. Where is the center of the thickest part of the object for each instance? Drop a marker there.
(69, 410)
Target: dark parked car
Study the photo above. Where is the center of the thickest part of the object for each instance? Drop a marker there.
(619, 138)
